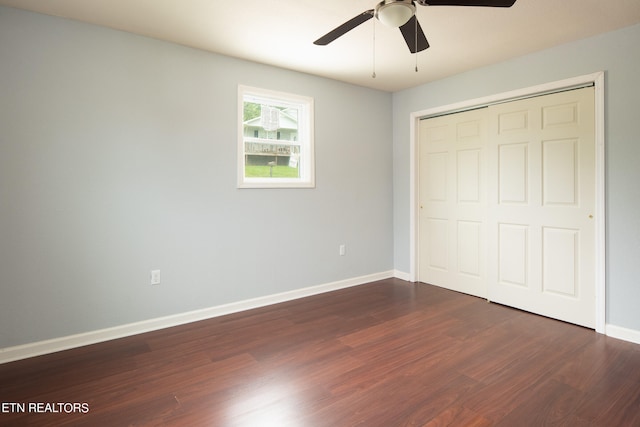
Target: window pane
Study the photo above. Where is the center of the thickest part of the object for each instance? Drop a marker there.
(271, 131)
(276, 139)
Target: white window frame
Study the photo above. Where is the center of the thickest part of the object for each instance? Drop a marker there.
(305, 138)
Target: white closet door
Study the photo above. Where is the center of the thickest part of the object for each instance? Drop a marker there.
(542, 201)
(453, 202)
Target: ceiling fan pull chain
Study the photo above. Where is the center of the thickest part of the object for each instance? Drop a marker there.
(373, 74)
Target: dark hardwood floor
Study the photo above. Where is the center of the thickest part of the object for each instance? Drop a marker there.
(389, 353)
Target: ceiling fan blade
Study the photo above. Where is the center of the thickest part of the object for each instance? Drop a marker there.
(408, 31)
(489, 3)
(344, 28)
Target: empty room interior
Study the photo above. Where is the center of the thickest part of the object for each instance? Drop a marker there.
(319, 213)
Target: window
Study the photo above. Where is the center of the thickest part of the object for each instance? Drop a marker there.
(275, 139)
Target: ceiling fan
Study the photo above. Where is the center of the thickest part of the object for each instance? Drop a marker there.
(402, 14)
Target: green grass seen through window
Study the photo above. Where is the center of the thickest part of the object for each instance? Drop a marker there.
(260, 171)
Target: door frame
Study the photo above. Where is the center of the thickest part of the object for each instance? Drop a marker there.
(595, 79)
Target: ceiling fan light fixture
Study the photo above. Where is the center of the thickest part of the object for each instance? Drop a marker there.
(395, 13)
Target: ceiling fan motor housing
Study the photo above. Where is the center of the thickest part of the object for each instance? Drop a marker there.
(394, 13)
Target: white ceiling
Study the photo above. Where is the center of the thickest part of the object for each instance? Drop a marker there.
(281, 32)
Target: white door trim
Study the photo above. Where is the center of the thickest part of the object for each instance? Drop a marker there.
(597, 79)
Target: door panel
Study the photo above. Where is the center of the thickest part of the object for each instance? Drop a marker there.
(513, 259)
(559, 172)
(469, 235)
(542, 187)
(507, 197)
(512, 163)
(453, 202)
(560, 249)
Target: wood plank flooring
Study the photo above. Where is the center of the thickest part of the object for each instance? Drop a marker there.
(388, 353)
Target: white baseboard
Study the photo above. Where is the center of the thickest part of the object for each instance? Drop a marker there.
(621, 333)
(402, 275)
(24, 351)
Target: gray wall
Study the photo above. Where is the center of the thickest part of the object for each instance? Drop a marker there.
(616, 53)
(118, 156)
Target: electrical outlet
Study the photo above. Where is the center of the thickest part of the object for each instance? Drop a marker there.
(155, 277)
(343, 250)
